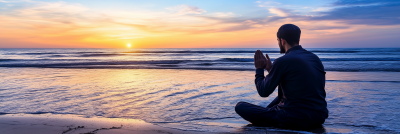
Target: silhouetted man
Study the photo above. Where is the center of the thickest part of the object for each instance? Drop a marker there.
(300, 78)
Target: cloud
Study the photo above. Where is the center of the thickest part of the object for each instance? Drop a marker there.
(362, 2)
(4, 1)
(34, 21)
(326, 27)
(224, 14)
(268, 4)
(321, 9)
(376, 14)
(77, 19)
(273, 19)
(41, 21)
(278, 12)
(186, 9)
(356, 12)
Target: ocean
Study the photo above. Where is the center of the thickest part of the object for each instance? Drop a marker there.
(193, 89)
(334, 59)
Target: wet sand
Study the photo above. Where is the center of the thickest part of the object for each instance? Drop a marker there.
(74, 124)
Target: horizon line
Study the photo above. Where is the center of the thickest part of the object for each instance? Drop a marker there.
(189, 48)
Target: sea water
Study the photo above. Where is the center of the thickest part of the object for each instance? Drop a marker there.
(334, 59)
(192, 89)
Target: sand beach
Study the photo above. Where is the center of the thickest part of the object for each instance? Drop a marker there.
(75, 124)
(78, 124)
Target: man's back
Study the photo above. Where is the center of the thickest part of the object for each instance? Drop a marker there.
(303, 81)
(300, 78)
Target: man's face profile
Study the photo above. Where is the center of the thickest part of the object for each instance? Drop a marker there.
(281, 46)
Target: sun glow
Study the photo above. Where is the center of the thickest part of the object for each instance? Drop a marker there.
(182, 24)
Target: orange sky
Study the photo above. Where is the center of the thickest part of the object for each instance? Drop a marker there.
(73, 25)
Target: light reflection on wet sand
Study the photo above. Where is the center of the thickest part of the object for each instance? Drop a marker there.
(190, 99)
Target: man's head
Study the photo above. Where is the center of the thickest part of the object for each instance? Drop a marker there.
(288, 34)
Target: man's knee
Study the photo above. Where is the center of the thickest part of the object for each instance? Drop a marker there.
(239, 108)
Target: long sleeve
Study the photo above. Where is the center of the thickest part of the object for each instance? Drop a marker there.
(266, 85)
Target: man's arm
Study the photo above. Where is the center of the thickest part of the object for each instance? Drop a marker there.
(266, 85)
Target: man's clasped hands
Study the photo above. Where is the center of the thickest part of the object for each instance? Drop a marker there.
(261, 61)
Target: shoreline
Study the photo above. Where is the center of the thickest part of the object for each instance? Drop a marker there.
(76, 124)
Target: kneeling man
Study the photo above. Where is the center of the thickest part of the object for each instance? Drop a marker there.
(300, 78)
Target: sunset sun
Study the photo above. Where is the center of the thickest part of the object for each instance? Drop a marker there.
(129, 45)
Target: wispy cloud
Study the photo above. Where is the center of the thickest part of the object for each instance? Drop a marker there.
(186, 9)
(268, 4)
(224, 14)
(35, 21)
(360, 12)
(367, 12)
(362, 2)
(278, 12)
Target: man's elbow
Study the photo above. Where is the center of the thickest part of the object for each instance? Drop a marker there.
(261, 90)
(263, 95)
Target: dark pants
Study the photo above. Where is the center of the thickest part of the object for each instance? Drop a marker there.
(272, 116)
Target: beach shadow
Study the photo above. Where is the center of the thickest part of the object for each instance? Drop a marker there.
(250, 128)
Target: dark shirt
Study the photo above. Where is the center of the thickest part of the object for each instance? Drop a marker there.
(300, 78)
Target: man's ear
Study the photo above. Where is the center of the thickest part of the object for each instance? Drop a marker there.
(283, 41)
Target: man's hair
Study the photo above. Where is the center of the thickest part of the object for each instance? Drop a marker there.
(290, 33)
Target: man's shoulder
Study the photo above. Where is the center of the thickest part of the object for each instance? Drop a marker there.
(288, 57)
(309, 52)
(282, 60)
(296, 57)
(300, 54)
